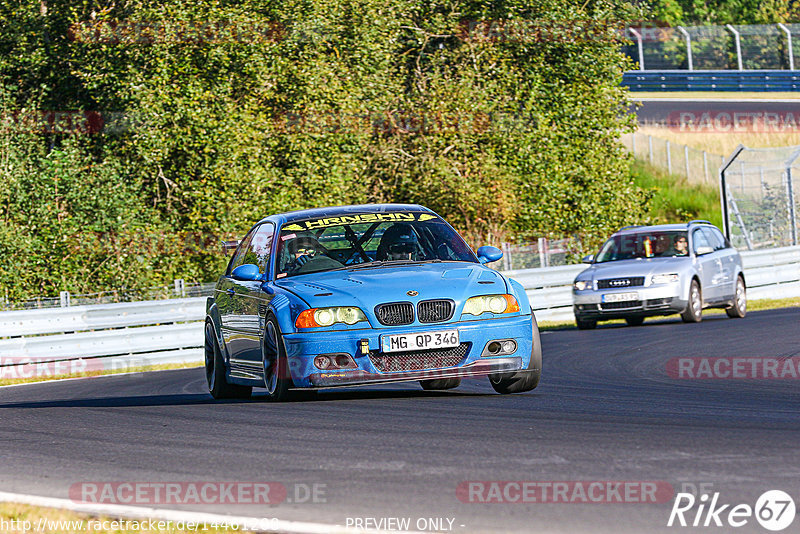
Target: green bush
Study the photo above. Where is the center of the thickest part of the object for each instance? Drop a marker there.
(225, 113)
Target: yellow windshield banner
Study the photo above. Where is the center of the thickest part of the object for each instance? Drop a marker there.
(357, 219)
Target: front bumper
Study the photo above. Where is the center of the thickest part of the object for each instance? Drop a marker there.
(303, 347)
(664, 299)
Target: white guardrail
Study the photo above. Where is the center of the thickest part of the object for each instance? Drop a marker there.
(131, 334)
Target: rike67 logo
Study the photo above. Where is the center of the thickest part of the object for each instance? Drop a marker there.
(774, 510)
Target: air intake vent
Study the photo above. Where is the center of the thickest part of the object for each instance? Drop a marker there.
(395, 313)
(435, 311)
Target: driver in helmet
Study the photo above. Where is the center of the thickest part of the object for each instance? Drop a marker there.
(399, 243)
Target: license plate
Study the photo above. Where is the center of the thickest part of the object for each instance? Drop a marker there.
(619, 297)
(443, 339)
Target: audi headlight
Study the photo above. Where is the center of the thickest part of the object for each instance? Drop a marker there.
(317, 317)
(664, 278)
(491, 303)
(580, 285)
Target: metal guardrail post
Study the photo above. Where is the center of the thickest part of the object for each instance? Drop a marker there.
(633, 144)
(650, 142)
(788, 33)
(669, 160)
(738, 42)
(688, 45)
(723, 189)
(180, 287)
(686, 158)
(65, 299)
(542, 247)
(790, 191)
(705, 167)
(639, 47)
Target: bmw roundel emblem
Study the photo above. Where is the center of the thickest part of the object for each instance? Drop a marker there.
(412, 293)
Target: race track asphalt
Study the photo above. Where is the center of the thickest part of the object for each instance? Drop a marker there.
(606, 410)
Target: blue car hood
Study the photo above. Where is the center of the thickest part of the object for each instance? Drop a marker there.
(368, 287)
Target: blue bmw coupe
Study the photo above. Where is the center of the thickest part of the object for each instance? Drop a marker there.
(358, 295)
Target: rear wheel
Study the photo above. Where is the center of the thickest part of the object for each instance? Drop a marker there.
(739, 308)
(634, 321)
(694, 308)
(585, 324)
(440, 383)
(276, 369)
(218, 384)
(524, 380)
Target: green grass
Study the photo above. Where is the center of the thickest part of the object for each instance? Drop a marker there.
(676, 200)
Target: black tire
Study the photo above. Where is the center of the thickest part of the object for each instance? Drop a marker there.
(694, 307)
(218, 384)
(277, 379)
(739, 308)
(585, 324)
(526, 380)
(440, 383)
(636, 320)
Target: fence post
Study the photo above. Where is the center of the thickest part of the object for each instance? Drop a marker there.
(65, 300)
(650, 142)
(738, 42)
(542, 247)
(705, 167)
(669, 160)
(686, 158)
(180, 288)
(639, 46)
(792, 217)
(506, 255)
(633, 144)
(688, 45)
(788, 33)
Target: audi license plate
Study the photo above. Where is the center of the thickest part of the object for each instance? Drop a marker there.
(443, 339)
(619, 297)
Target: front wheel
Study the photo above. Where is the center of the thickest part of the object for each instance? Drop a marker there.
(739, 308)
(273, 356)
(694, 308)
(526, 379)
(218, 384)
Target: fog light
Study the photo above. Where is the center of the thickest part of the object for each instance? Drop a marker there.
(495, 347)
(509, 346)
(342, 360)
(322, 362)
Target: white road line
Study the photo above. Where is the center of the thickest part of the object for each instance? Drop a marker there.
(256, 524)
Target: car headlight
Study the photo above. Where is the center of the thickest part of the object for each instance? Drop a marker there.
(664, 278)
(491, 303)
(317, 317)
(580, 285)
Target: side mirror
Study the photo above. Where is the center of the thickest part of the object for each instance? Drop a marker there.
(489, 254)
(589, 258)
(704, 250)
(247, 273)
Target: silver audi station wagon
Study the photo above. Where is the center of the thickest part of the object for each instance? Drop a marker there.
(660, 270)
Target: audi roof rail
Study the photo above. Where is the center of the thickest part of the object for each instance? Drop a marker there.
(698, 221)
(630, 226)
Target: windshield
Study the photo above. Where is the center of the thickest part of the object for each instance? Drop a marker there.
(367, 240)
(644, 245)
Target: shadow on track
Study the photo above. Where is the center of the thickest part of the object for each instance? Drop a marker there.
(193, 399)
